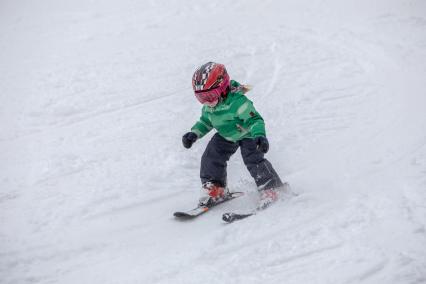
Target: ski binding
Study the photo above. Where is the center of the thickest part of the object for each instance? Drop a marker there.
(201, 209)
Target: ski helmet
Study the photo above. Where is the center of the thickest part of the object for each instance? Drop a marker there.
(210, 82)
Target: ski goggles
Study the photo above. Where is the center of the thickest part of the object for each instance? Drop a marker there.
(209, 97)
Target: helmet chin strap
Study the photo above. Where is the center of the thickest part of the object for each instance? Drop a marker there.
(213, 105)
(225, 94)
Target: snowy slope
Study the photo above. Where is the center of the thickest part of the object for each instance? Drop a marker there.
(95, 96)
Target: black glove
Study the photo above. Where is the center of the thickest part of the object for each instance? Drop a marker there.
(262, 144)
(188, 139)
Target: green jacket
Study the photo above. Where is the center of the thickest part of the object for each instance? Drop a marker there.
(234, 117)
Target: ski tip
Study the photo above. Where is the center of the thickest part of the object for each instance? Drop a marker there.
(231, 217)
(191, 213)
(181, 215)
(227, 217)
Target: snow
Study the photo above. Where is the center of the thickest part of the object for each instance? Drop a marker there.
(95, 96)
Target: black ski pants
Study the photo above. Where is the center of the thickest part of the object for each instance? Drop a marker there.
(218, 152)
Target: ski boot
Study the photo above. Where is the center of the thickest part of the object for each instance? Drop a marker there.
(267, 197)
(272, 192)
(269, 193)
(212, 193)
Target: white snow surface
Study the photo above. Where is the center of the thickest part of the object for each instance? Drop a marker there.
(96, 95)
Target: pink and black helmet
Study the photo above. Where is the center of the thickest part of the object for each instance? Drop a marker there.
(210, 82)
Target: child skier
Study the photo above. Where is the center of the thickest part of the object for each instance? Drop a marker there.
(238, 124)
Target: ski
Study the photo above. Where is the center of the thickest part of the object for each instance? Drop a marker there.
(230, 217)
(201, 209)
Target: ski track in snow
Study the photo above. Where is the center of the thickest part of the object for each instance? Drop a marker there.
(96, 96)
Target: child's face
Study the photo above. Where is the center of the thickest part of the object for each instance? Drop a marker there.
(209, 98)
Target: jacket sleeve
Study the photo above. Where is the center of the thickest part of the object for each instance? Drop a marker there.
(252, 119)
(202, 126)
